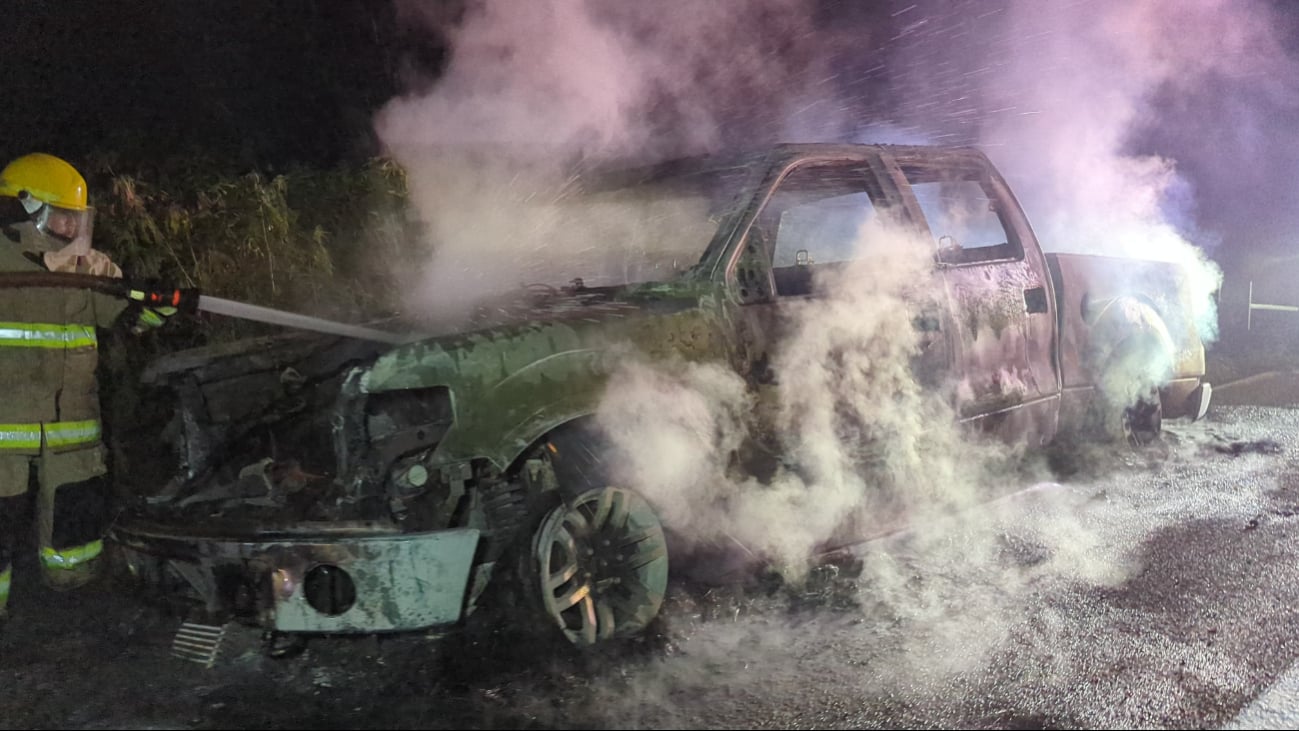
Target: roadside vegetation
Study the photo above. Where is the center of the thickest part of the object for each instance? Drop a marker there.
(319, 241)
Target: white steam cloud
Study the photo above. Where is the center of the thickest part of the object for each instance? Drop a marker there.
(535, 88)
(1079, 87)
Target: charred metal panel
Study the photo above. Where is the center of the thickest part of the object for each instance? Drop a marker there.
(341, 578)
(997, 286)
(998, 356)
(400, 582)
(310, 354)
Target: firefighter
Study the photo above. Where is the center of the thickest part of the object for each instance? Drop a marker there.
(49, 416)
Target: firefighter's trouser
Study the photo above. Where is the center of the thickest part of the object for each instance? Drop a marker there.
(71, 513)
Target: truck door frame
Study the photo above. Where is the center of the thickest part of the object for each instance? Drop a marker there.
(751, 283)
(1025, 402)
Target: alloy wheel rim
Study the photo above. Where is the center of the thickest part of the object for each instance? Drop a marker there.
(601, 562)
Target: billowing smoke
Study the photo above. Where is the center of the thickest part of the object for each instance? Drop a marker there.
(535, 90)
(1120, 124)
(1152, 129)
(1083, 82)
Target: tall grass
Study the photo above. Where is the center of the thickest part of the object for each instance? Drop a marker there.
(323, 242)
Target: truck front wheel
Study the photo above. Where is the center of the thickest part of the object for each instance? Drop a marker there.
(599, 565)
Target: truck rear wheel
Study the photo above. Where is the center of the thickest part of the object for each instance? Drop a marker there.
(599, 565)
(1142, 422)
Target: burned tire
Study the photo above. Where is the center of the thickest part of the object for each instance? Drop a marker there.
(597, 567)
(1132, 410)
(1141, 423)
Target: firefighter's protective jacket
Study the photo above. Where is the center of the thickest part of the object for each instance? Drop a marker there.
(48, 354)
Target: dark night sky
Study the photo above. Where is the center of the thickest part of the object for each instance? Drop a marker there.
(252, 83)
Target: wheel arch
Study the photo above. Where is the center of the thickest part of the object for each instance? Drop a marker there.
(1129, 324)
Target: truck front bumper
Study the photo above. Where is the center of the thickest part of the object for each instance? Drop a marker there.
(315, 578)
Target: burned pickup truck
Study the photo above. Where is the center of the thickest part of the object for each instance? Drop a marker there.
(330, 485)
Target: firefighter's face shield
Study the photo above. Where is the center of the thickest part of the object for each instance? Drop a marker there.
(63, 225)
(52, 228)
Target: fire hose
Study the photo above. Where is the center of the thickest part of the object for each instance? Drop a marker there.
(191, 300)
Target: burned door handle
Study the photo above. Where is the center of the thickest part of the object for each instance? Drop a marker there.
(1035, 300)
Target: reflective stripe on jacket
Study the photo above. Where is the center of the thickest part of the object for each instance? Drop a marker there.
(58, 435)
(71, 557)
(35, 335)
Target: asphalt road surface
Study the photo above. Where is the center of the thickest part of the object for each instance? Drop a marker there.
(1157, 588)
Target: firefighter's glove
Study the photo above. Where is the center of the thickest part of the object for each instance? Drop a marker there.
(151, 318)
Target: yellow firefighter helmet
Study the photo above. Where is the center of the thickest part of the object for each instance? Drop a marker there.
(46, 178)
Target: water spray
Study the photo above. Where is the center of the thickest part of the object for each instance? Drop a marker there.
(191, 300)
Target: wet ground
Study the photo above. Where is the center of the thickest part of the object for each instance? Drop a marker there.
(1151, 589)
